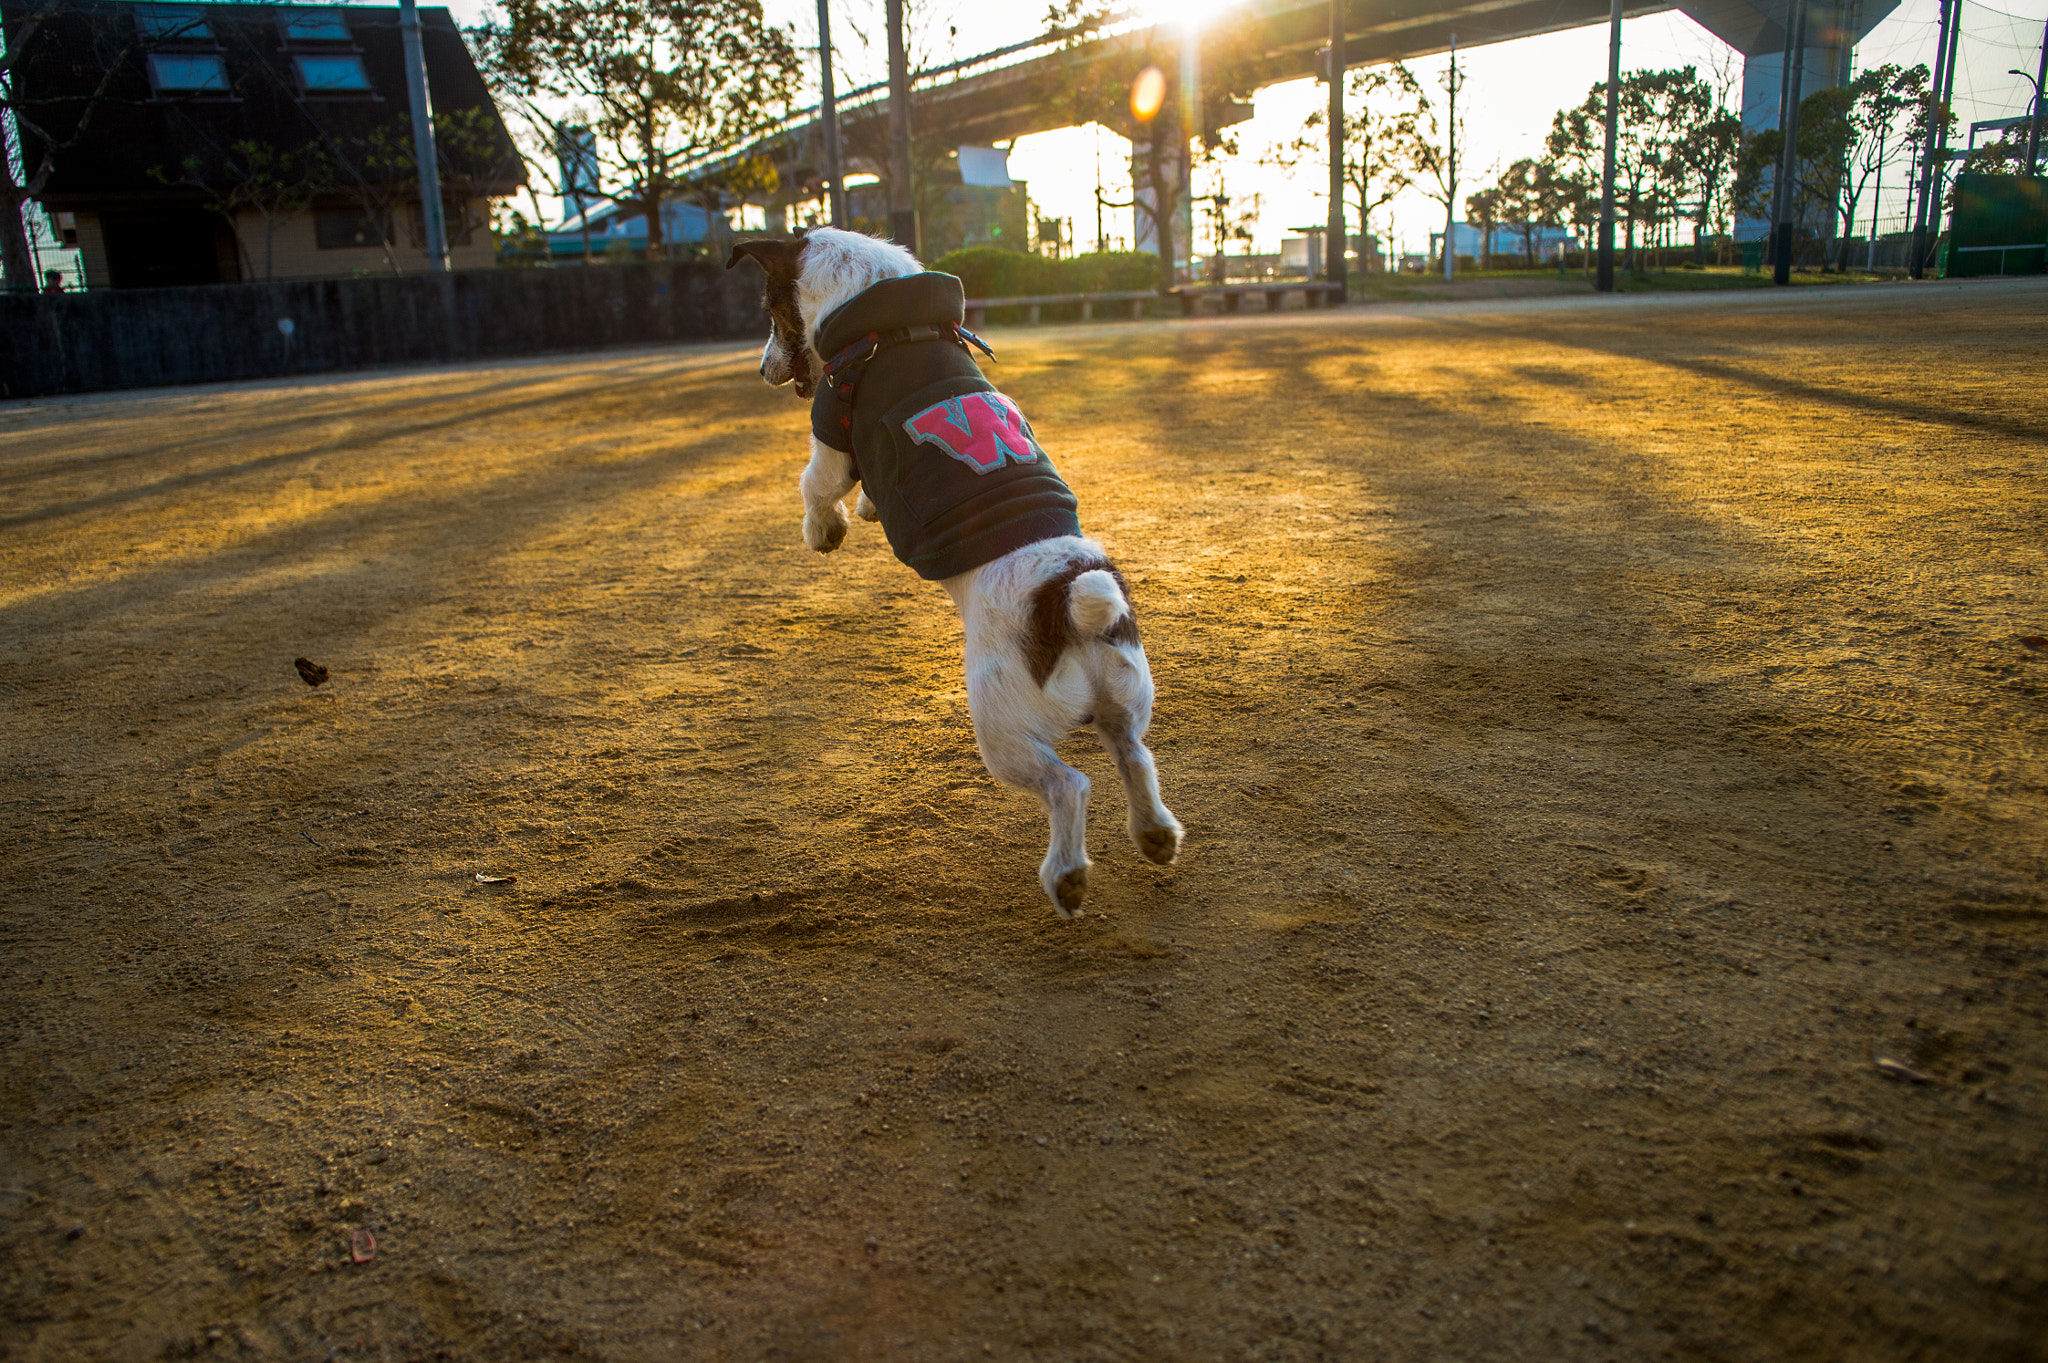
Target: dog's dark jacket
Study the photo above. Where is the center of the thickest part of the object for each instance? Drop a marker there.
(949, 462)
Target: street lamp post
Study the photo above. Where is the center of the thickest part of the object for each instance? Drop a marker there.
(828, 118)
(1335, 262)
(1603, 269)
(1451, 183)
(2034, 128)
(419, 100)
(902, 207)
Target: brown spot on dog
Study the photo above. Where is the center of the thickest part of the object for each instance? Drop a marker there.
(782, 262)
(1052, 629)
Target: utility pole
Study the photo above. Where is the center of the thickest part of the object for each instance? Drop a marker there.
(1948, 97)
(1937, 118)
(431, 220)
(1190, 131)
(1786, 230)
(828, 120)
(1603, 277)
(1333, 250)
(1451, 183)
(1099, 247)
(902, 208)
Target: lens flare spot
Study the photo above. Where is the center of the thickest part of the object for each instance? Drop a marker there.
(1148, 92)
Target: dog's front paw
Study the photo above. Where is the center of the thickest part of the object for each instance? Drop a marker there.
(825, 528)
(866, 509)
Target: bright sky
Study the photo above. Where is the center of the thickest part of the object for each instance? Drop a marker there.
(1510, 93)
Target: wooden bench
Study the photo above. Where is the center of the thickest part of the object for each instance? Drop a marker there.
(1315, 293)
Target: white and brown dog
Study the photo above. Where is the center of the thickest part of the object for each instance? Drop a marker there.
(968, 499)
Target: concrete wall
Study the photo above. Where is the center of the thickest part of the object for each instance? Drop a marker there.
(136, 338)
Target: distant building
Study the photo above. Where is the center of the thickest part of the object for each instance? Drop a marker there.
(251, 141)
(1507, 241)
(1303, 255)
(615, 229)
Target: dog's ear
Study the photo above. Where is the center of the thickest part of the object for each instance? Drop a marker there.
(776, 256)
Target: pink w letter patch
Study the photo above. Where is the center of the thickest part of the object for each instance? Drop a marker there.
(978, 430)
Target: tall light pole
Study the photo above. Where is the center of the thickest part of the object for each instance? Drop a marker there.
(1937, 119)
(1451, 182)
(2040, 79)
(902, 208)
(1785, 230)
(828, 120)
(1603, 276)
(1334, 254)
(435, 228)
(1190, 131)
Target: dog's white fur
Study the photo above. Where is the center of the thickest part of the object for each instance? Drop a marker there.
(1096, 684)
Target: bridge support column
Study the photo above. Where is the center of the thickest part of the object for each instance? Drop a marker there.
(1757, 29)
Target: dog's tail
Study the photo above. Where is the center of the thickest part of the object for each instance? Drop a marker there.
(1096, 605)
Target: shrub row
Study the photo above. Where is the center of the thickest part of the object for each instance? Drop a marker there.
(991, 272)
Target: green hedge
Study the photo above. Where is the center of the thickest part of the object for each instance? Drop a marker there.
(991, 272)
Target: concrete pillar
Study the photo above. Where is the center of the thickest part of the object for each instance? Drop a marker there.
(1756, 29)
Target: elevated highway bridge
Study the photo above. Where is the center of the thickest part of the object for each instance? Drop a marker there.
(1030, 87)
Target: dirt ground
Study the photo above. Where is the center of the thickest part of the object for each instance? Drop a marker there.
(1605, 730)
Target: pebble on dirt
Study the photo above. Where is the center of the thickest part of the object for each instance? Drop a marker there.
(1893, 1069)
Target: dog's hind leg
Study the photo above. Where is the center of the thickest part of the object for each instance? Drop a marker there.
(1020, 760)
(1152, 825)
(827, 478)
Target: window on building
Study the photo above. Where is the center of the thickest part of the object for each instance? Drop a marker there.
(171, 23)
(311, 25)
(332, 75)
(342, 228)
(184, 73)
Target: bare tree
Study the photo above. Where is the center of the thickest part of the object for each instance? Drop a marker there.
(50, 117)
(1484, 208)
(1099, 85)
(1383, 108)
(1658, 109)
(1433, 155)
(671, 84)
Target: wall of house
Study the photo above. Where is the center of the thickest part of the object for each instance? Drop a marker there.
(296, 253)
(137, 338)
(92, 251)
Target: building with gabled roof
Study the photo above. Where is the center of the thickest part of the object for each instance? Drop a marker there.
(204, 143)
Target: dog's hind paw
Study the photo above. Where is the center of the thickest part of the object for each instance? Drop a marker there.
(1158, 845)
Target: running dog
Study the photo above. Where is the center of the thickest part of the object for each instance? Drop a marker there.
(968, 499)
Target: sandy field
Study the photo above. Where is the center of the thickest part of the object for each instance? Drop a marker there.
(1612, 740)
